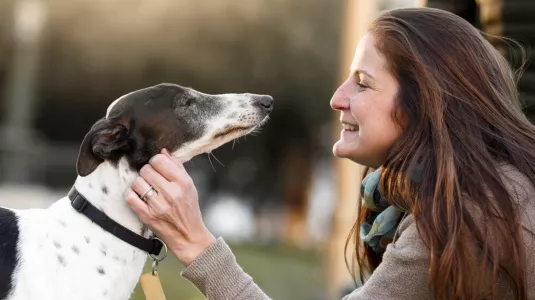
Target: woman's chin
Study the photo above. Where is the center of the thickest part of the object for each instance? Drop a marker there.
(351, 152)
(341, 150)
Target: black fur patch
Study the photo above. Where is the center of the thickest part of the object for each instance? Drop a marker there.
(9, 236)
(144, 122)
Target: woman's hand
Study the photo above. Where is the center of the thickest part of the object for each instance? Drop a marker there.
(172, 212)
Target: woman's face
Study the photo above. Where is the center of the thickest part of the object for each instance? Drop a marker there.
(366, 101)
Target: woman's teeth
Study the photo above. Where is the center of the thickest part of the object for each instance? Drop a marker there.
(350, 127)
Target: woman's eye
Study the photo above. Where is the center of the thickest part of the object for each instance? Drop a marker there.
(362, 85)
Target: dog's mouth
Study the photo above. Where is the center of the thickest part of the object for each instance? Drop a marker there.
(233, 130)
(238, 130)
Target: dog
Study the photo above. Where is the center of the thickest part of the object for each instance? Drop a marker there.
(59, 253)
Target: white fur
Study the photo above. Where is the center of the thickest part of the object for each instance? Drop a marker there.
(61, 231)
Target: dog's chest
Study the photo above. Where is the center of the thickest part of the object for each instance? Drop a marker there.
(64, 256)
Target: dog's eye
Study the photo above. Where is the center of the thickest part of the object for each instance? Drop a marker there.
(187, 101)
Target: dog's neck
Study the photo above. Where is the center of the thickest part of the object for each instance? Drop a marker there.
(105, 189)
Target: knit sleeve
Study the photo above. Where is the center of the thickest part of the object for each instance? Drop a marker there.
(217, 275)
(403, 272)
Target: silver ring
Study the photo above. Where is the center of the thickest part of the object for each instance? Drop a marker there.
(155, 259)
(147, 193)
(162, 257)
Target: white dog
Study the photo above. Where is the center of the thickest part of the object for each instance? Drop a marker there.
(89, 244)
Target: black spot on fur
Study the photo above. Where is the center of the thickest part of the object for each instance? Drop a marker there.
(87, 240)
(75, 249)
(101, 271)
(57, 244)
(90, 186)
(9, 236)
(105, 190)
(103, 252)
(119, 259)
(61, 260)
(62, 223)
(105, 293)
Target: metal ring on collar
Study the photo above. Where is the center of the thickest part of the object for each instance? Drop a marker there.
(147, 193)
(162, 257)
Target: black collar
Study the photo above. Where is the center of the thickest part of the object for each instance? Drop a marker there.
(81, 205)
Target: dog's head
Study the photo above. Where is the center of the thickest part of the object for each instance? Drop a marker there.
(184, 121)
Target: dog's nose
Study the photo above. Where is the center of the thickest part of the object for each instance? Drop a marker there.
(264, 101)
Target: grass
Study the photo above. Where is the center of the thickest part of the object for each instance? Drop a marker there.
(282, 273)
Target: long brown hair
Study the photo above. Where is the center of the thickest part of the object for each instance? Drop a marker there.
(458, 95)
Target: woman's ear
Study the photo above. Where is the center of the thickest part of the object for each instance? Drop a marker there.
(106, 140)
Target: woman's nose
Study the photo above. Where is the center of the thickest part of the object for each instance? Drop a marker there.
(339, 100)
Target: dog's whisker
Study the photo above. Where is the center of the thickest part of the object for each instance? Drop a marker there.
(213, 168)
(217, 159)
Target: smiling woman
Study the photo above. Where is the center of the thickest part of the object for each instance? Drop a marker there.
(366, 100)
(433, 107)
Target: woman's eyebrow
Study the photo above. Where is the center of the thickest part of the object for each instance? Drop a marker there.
(360, 71)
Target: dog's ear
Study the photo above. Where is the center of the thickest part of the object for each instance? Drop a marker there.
(106, 140)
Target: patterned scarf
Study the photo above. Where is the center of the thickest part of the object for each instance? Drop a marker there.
(379, 229)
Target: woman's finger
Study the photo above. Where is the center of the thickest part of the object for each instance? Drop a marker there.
(137, 205)
(175, 160)
(156, 204)
(153, 178)
(141, 186)
(166, 167)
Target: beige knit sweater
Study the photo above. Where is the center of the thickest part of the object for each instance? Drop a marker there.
(403, 274)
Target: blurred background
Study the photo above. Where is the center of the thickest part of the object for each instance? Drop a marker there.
(279, 198)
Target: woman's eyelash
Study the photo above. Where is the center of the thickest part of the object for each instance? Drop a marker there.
(362, 85)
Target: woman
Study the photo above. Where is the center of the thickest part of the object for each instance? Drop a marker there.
(433, 107)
